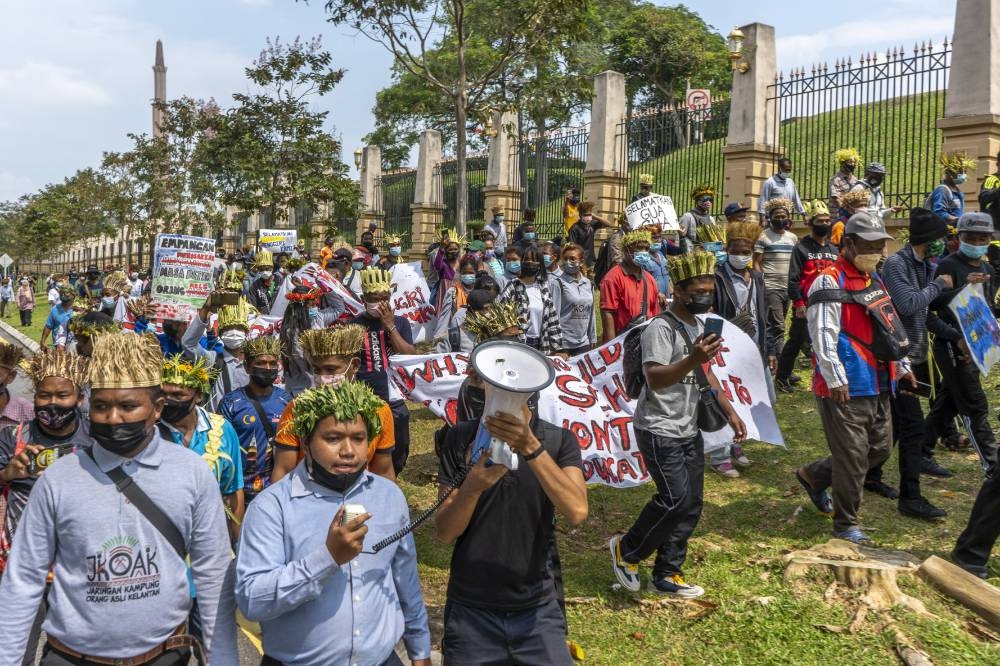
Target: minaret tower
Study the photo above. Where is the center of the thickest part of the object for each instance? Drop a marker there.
(159, 88)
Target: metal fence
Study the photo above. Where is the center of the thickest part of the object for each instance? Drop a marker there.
(394, 193)
(886, 106)
(544, 167)
(679, 147)
(446, 179)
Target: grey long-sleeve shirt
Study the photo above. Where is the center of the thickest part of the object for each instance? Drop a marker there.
(238, 377)
(119, 588)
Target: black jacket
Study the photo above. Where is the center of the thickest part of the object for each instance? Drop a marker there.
(725, 305)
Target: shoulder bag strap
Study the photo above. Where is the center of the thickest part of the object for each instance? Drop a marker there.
(645, 286)
(699, 372)
(223, 368)
(141, 501)
(265, 422)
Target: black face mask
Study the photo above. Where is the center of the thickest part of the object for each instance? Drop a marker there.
(65, 300)
(849, 168)
(530, 268)
(120, 438)
(263, 377)
(55, 417)
(778, 225)
(451, 255)
(175, 410)
(338, 483)
(474, 400)
(822, 229)
(700, 303)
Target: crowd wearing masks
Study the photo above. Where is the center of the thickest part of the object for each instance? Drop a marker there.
(174, 481)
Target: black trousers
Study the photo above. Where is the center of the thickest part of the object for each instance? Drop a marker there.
(25, 317)
(961, 393)
(677, 467)
(504, 638)
(908, 429)
(980, 535)
(777, 308)
(401, 423)
(798, 338)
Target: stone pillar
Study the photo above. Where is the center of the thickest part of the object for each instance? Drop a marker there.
(371, 205)
(427, 207)
(971, 122)
(502, 188)
(752, 141)
(605, 176)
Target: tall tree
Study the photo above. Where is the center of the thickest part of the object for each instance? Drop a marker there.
(270, 153)
(411, 30)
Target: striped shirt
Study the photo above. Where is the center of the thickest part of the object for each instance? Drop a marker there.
(908, 281)
(776, 248)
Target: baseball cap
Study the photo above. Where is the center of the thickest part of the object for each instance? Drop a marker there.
(734, 208)
(875, 167)
(865, 226)
(976, 222)
(343, 253)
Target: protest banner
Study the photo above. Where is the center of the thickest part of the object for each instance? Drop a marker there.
(654, 209)
(311, 273)
(588, 398)
(277, 240)
(410, 298)
(979, 326)
(182, 275)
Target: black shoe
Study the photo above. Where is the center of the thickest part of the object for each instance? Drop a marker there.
(930, 467)
(882, 489)
(784, 385)
(920, 508)
(795, 379)
(977, 570)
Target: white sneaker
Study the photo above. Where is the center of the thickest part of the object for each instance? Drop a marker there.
(626, 572)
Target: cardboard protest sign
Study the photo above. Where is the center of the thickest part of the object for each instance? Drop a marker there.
(410, 298)
(277, 240)
(588, 399)
(979, 326)
(655, 209)
(182, 275)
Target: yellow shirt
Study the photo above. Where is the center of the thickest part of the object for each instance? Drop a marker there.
(570, 216)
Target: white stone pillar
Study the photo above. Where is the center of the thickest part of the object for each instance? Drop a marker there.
(606, 171)
(502, 188)
(427, 207)
(370, 172)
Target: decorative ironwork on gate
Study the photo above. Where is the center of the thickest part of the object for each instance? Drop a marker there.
(445, 177)
(885, 105)
(393, 195)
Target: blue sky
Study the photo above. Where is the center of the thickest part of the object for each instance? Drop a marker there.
(76, 77)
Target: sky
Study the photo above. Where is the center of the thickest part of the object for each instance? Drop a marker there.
(76, 75)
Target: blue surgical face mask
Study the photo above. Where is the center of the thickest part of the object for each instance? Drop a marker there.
(357, 265)
(498, 219)
(960, 178)
(642, 258)
(656, 247)
(314, 313)
(547, 259)
(514, 267)
(489, 253)
(529, 235)
(395, 251)
(108, 302)
(785, 174)
(973, 251)
(468, 279)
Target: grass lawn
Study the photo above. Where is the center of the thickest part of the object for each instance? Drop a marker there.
(748, 615)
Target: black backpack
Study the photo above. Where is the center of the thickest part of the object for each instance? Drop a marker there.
(889, 339)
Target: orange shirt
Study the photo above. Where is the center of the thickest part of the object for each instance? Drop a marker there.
(385, 441)
(324, 256)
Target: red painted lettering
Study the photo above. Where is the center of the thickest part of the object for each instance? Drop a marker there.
(568, 396)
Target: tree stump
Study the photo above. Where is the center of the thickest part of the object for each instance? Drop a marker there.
(871, 570)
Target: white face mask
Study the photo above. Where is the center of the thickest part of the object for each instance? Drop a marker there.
(266, 274)
(739, 261)
(233, 339)
(331, 380)
(373, 311)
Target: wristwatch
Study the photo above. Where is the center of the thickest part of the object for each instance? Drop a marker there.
(534, 454)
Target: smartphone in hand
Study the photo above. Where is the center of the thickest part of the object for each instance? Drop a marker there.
(713, 326)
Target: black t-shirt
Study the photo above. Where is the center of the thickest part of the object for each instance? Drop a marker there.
(501, 560)
(959, 269)
(376, 350)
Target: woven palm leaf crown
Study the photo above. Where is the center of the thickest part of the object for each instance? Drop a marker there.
(711, 233)
(743, 231)
(691, 265)
(637, 236)
(89, 324)
(493, 320)
(847, 155)
(118, 281)
(646, 179)
(858, 198)
(703, 191)
(375, 281)
(56, 363)
(182, 372)
(262, 345)
(957, 162)
(232, 279)
(393, 239)
(344, 403)
(263, 259)
(815, 208)
(236, 316)
(10, 355)
(337, 341)
(125, 360)
(774, 204)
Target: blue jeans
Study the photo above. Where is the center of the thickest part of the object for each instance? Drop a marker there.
(677, 467)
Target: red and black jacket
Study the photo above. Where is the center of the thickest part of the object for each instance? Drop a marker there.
(809, 259)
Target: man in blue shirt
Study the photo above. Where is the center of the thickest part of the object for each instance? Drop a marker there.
(183, 422)
(308, 572)
(254, 411)
(59, 314)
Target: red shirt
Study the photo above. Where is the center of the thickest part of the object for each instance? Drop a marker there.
(621, 295)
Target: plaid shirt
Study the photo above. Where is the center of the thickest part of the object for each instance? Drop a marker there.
(839, 185)
(17, 410)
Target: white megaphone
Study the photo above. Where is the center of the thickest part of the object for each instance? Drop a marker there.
(511, 372)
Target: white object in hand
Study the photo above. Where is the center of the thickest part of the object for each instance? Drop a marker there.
(352, 511)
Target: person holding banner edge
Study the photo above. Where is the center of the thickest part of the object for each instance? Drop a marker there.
(675, 354)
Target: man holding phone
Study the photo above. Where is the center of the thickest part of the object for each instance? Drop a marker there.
(321, 595)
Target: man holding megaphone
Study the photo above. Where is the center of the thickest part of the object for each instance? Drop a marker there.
(503, 599)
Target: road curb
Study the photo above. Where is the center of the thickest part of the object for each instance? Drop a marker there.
(12, 333)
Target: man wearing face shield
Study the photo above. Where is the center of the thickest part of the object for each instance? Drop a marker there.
(233, 328)
(947, 200)
(872, 184)
(121, 587)
(856, 371)
(305, 566)
(29, 447)
(334, 355)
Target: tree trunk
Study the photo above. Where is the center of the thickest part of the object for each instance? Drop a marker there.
(973, 593)
(461, 110)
